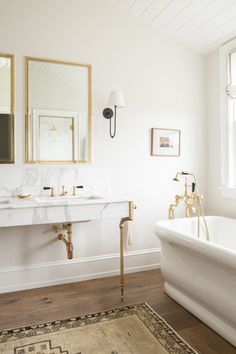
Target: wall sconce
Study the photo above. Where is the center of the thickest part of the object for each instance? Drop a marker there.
(115, 99)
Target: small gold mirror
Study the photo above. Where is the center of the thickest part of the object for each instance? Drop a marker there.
(58, 111)
(6, 108)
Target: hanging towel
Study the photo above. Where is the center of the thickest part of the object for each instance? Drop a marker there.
(128, 234)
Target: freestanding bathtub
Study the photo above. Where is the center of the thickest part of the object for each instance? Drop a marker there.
(201, 275)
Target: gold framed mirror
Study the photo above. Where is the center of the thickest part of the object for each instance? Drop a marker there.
(58, 111)
(6, 108)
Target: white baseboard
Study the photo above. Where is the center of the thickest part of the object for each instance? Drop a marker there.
(61, 272)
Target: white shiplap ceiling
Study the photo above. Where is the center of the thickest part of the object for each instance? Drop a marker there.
(68, 76)
(200, 24)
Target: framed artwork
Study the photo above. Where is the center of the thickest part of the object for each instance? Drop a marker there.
(165, 142)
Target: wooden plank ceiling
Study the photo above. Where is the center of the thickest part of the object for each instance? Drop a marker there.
(202, 25)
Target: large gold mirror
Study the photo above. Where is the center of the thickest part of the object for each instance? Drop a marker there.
(58, 111)
(6, 108)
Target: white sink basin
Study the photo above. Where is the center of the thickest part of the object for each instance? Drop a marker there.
(59, 199)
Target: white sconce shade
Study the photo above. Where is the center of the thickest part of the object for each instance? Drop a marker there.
(116, 99)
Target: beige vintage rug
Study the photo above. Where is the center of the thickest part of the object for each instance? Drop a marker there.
(128, 330)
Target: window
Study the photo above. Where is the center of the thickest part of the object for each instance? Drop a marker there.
(228, 115)
(231, 115)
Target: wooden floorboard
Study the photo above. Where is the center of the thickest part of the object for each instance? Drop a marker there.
(69, 300)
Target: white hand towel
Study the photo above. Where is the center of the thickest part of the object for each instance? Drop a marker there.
(128, 234)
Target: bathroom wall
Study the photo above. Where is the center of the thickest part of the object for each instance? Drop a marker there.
(217, 204)
(164, 87)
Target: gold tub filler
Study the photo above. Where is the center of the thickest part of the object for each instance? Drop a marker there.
(191, 198)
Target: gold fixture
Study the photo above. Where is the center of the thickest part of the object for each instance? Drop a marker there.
(74, 189)
(177, 177)
(63, 191)
(132, 206)
(64, 233)
(192, 200)
(52, 194)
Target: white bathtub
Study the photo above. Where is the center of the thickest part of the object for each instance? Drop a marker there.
(201, 275)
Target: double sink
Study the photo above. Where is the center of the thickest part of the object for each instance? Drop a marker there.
(15, 202)
(63, 199)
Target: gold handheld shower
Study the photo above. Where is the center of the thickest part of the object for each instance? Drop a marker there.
(177, 177)
(182, 174)
(191, 199)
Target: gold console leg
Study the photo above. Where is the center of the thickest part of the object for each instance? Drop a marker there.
(122, 223)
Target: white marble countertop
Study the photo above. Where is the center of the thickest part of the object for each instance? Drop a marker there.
(39, 201)
(46, 210)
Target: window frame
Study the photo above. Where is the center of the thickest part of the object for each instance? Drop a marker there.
(227, 127)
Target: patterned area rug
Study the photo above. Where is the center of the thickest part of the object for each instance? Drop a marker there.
(128, 330)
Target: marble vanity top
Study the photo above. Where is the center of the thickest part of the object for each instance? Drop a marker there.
(47, 210)
(34, 202)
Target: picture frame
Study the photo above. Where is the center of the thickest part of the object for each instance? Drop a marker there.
(165, 142)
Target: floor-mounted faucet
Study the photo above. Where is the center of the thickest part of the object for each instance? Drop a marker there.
(191, 198)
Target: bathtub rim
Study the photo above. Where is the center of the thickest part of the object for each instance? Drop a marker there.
(205, 248)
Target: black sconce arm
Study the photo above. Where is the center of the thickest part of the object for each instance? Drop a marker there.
(108, 113)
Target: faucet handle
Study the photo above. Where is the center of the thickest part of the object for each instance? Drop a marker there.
(193, 187)
(63, 191)
(76, 187)
(49, 188)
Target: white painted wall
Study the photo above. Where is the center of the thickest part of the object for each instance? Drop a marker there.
(164, 86)
(216, 203)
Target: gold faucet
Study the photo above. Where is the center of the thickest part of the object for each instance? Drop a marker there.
(192, 200)
(74, 189)
(52, 194)
(63, 191)
(178, 199)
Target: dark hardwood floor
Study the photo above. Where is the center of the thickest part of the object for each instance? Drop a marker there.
(64, 301)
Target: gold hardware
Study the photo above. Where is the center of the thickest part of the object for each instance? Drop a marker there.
(132, 206)
(63, 191)
(178, 198)
(74, 189)
(52, 192)
(66, 230)
(55, 228)
(192, 201)
(61, 231)
(177, 177)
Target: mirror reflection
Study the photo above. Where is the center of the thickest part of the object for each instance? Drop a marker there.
(58, 111)
(6, 109)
